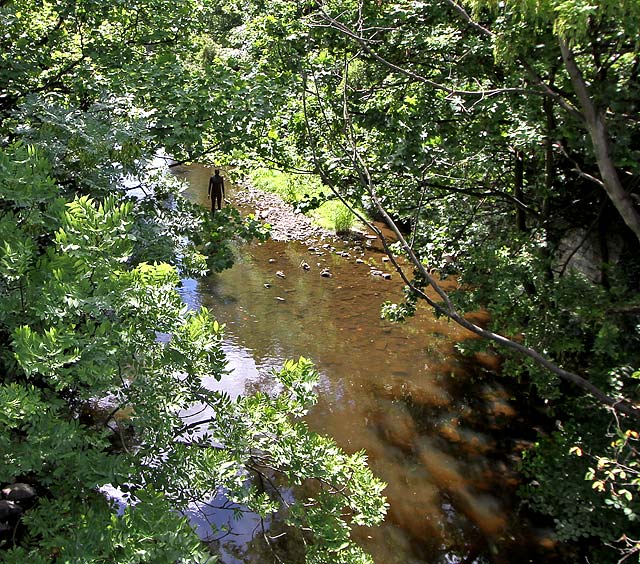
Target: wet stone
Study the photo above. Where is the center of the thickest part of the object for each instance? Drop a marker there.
(8, 509)
(19, 492)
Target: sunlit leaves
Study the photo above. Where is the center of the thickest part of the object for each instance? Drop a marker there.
(100, 357)
(258, 429)
(96, 230)
(27, 177)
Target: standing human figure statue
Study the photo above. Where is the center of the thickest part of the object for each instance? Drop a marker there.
(216, 190)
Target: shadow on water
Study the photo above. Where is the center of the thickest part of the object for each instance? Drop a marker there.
(439, 429)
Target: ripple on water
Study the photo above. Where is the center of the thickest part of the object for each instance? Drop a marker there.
(427, 418)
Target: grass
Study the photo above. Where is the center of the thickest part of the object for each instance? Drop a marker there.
(292, 188)
(332, 215)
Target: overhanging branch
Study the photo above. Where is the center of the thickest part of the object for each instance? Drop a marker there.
(445, 306)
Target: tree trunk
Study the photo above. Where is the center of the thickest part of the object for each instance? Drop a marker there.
(597, 128)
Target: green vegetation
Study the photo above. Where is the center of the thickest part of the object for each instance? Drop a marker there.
(98, 354)
(291, 188)
(307, 194)
(498, 139)
(335, 216)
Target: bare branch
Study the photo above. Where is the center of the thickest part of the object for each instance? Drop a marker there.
(365, 44)
(469, 20)
(601, 140)
(445, 306)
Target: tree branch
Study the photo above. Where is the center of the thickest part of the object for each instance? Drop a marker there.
(364, 43)
(600, 138)
(446, 307)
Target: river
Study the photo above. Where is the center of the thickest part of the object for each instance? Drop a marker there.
(442, 430)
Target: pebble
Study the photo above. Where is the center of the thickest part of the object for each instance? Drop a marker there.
(272, 260)
(281, 274)
(376, 273)
(386, 276)
(278, 298)
(359, 261)
(267, 285)
(325, 273)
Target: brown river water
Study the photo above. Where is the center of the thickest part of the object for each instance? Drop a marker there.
(443, 431)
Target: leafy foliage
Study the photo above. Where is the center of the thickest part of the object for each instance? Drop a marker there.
(100, 358)
(495, 136)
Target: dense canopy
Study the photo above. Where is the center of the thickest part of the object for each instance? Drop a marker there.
(499, 140)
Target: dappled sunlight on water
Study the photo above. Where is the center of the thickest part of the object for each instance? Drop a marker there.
(436, 427)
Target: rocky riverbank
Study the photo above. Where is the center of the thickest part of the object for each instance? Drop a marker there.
(287, 224)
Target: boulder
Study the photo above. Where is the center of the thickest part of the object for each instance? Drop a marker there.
(19, 492)
(8, 509)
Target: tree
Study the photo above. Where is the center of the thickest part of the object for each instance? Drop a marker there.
(100, 358)
(483, 134)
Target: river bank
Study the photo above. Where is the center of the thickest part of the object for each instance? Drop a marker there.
(286, 223)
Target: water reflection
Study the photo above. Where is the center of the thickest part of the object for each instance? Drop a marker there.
(435, 428)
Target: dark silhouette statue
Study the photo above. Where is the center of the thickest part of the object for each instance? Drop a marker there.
(216, 190)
